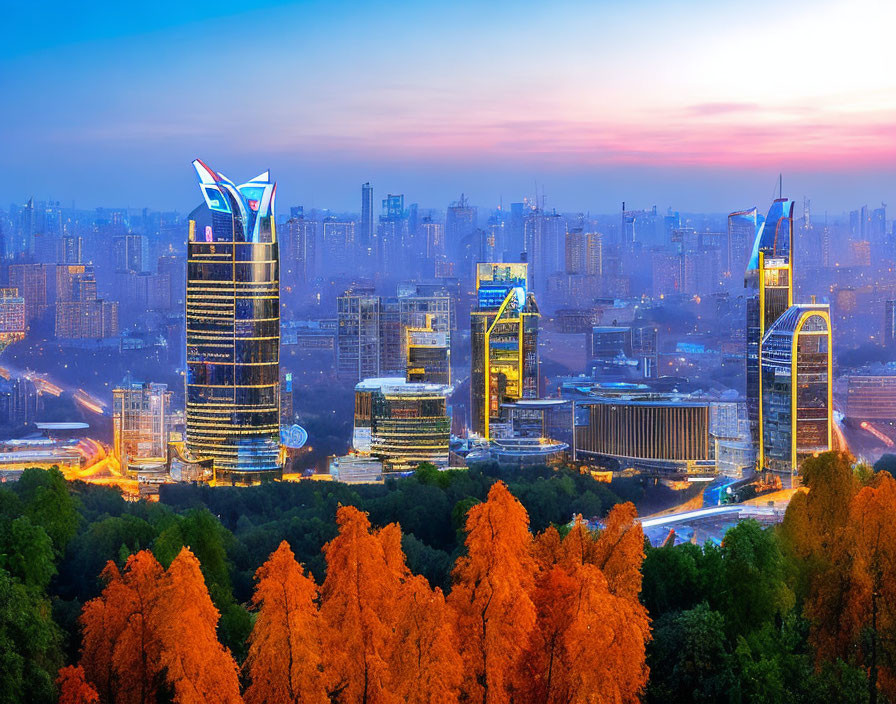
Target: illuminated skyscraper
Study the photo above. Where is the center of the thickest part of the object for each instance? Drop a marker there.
(796, 406)
(233, 329)
(504, 342)
(769, 283)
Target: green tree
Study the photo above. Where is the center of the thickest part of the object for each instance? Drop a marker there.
(26, 551)
(29, 644)
(754, 588)
(49, 504)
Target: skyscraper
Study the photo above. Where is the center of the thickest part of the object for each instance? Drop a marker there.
(504, 342)
(769, 283)
(233, 329)
(741, 231)
(796, 408)
(365, 237)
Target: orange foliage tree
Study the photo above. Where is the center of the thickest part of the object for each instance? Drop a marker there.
(492, 597)
(870, 611)
(120, 651)
(358, 606)
(284, 661)
(198, 668)
(591, 634)
(425, 665)
(74, 688)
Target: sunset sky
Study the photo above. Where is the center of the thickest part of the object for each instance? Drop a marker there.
(698, 105)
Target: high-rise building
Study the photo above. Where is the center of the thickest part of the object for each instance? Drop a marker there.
(130, 253)
(796, 410)
(69, 250)
(300, 260)
(741, 233)
(504, 342)
(428, 354)
(365, 237)
(12, 317)
(233, 329)
(889, 335)
(141, 421)
(371, 340)
(769, 283)
(31, 282)
(80, 314)
(402, 423)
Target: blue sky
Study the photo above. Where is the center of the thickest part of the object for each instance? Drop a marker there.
(697, 105)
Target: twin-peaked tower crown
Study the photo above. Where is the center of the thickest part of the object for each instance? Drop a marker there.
(233, 328)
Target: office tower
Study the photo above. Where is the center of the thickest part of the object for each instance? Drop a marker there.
(545, 238)
(287, 413)
(460, 223)
(504, 342)
(769, 284)
(741, 233)
(433, 238)
(80, 314)
(358, 336)
(69, 250)
(338, 244)
(31, 282)
(365, 237)
(584, 253)
(370, 338)
(515, 238)
(392, 235)
(141, 421)
(130, 253)
(428, 354)
(796, 407)
(402, 423)
(300, 260)
(889, 335)
(172, 273)
(233, 329)
(12, 317)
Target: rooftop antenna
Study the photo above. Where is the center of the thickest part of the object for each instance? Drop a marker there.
(780, 185)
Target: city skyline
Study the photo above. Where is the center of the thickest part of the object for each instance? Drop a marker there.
(685, 107)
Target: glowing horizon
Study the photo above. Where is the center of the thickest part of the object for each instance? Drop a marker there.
(556, 92)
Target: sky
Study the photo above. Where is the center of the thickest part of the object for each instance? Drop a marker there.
(693, 104)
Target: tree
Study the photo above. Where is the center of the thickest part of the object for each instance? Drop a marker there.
(49, 504)
(74, 688)
(284, 661)
(26, 551)
(589, 643)
(358, 601)
(870, 613)
(198, 668)
(426, 665)
(121, 650)
(754, 589)
(492, 597)
(29, 644)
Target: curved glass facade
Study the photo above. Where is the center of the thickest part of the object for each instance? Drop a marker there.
(233, 329)
(796, 388)
(769, 280)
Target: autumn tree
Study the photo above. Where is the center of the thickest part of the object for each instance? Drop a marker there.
(74, 688)
(284, 661)
(424, 661)
(358, 606)
(870, 551)
(589, 643)
(198, 668)
(492, 597)
(121, 650)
